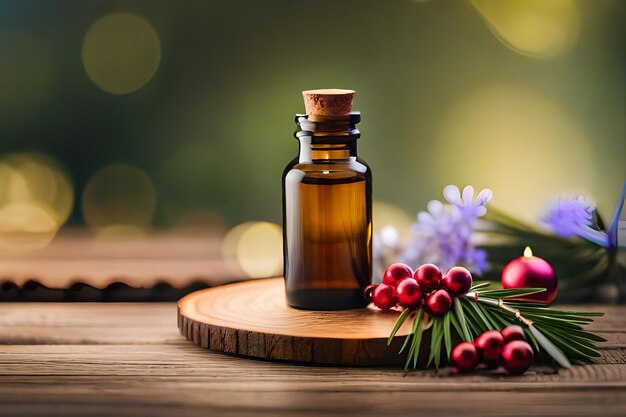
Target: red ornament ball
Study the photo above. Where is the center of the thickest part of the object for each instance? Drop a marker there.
(458, 281)
(489, 346)
(368, 292)
(516, 357)
(396, 273)
(384, 297)
(464, 356)
(428, 276)
(409, 293)
(439, 302)
(531, 272)
(511, 333)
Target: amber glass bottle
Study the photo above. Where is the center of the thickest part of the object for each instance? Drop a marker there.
(327, 210)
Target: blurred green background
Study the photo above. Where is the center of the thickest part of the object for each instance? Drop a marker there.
(131, 115)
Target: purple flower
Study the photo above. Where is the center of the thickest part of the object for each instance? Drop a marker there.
(574, 217)
(470, 207)
(443, 234)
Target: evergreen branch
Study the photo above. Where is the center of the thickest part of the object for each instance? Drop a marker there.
(531, 337)
(511, 292)
(480, 285)
(542, 340)
(435, 342)
(457, 325)
(417, 342)
(447, 335)
(458, 310)
(399, 322)
(559, 333)
(552, 350)
(417, 339)
(473, 320)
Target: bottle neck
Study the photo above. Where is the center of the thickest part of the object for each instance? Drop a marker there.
(327, 138)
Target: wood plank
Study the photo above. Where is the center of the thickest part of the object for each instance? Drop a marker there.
(85, 335)
(139, 334)
(132, 361)
(174, 360)
(93, 314)
(126, 396)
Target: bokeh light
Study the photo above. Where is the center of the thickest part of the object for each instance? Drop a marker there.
(537, 28)
(36, 198)
(121, 52)
(517, 142)
(256, 247)
(119, 200)
(26, 226)
(39, 179)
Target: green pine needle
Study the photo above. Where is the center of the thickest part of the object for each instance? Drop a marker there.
(447, 335)
(552, 350)
(399, 322)
(480, 285)
(417, 338)
(559, 333)
(458, 310)
(511, 293)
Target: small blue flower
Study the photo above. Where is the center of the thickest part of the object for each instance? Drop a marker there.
(574, 217)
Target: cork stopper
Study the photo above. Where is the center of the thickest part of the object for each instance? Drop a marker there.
(328, 102)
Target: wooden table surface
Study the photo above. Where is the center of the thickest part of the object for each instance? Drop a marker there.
(129, 359)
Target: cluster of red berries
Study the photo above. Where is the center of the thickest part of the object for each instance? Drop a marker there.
(507, 348)
(427, 287)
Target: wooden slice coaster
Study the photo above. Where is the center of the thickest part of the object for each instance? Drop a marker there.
(252, 319)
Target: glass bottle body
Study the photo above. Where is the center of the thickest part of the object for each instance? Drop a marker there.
(327, 218)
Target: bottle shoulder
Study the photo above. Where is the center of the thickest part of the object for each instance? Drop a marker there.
(350, 169)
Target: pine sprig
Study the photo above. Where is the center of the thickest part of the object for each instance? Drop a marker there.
(558, 333)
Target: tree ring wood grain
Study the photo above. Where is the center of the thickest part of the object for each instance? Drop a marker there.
(252, 319)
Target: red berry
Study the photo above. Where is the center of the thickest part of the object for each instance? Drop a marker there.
(439, 302)
(516, 357)
(458, 281)
(385, 297)
(464, 357)
(409, 293)
(368, 292)
(489, 346)
(428, 276)
(396, 273)
(512, 333)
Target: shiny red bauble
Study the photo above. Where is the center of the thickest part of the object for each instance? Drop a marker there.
(489, 346)
(368, 292)
(396, 273)
(428, 276)
(439, 302)
(511, 333)
(516, 357)
(384, 296)
(531, 272)
(458, 281)
(409, 293)
(464, 357)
